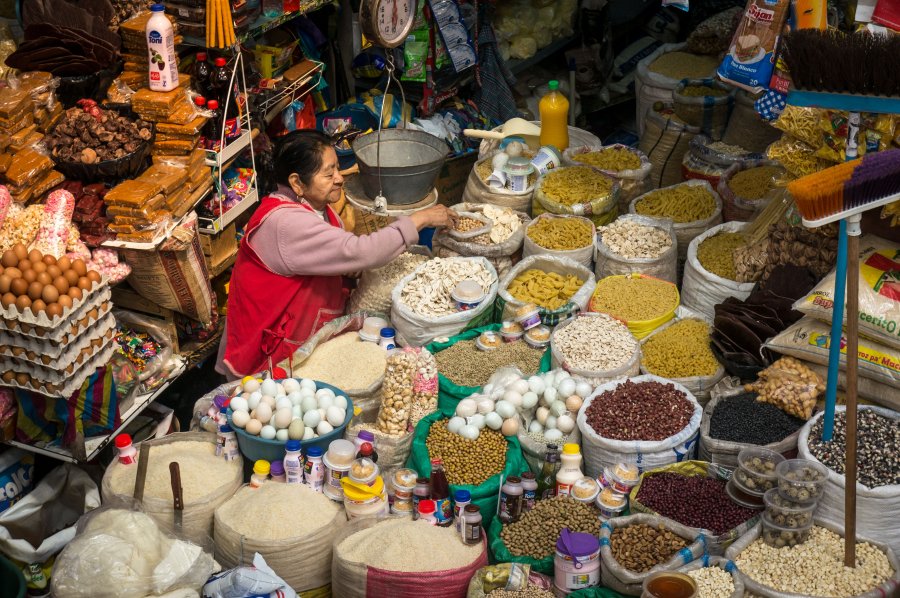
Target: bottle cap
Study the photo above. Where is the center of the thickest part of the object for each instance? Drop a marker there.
(292, 445)
(200, 101)
(315, 451)
(365, 436)
(365, 449)
(553, 85)
(277, 468)
(513, 479)
(527, 476)
(462, 496)
(201, 56)
(387, 332)
(261, 467)
(158, 8)
(123, 440)
(571, 448)
(220, 62)
(427, 506)
(212, 104)
(225, 429)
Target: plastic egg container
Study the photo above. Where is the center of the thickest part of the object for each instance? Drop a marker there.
(286, 409)
(547, 404)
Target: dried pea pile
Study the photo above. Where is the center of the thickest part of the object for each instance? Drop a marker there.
(467, 461)
(467, 365)
(529, 592)
(680, 351)
(716, 253)
(634, 298)
(640, 547)
(536, 533)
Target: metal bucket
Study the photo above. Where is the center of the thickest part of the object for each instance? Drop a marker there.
(410, 164)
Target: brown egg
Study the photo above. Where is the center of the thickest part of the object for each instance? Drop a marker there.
(61, 284)
(30, 276)
(9, 258)
(34, 290)
(13, 272)
(43, 278)
(35, 256)
(8, 376)
(75, 293)
(46, 359)
(20, 250)
(84, 284)
(19, 287)
(93, 314)
(7, 299)
(24, 265)
(23, 379)
(53, 270)
(17, 351)
(73, 330)
(5, 281)
(97, 342)
(69, 368)
(64, 263)
(78, 266)
(54, 310)
(31, 354)
(26, 328)
(50, 294)
(71, 277)
(93, 276)
(38, 306)
(84, 321)
(23, 303)
(49, 260)
(65, 301)
(39, 266)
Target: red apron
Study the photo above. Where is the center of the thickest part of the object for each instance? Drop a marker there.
(270, 315)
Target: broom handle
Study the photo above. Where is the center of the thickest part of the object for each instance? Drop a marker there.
(837, 329)
(853, 233)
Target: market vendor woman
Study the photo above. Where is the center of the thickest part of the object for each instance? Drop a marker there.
(288, 280)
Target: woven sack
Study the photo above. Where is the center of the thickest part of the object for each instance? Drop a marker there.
(632, 181)
(665, 141)
(735, 207)
(479, 192)
(393, 451)
(373, 290)
(710, 113)
(507, 304)
(664, 267)
(701, 290)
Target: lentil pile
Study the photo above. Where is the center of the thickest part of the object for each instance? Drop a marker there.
(595, 343)
(770, 424)
(634, 297)
(634, 240)
(640, 411)
(716, 253)
(816, 567)
(611, 158)
(562, 233)
(699, 91)
(467, 461)
(680, 351)
(754, 183)
(328, 363)
(877, 449)
(536, 533)
(640, 547)
(466, 365)
(713, 582)
(694, 501)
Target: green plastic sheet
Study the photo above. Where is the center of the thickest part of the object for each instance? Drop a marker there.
(501, 553)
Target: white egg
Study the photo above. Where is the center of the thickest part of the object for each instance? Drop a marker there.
(253, 427)
(282, 435)
(529, 400)
(552, 434)
(263, 413)
(240, 419)
(254, 399)
(312, 418)
(566, 387)
(485, 406)
(497, 393)
(520, 386)
(535, 427)
(290, 385)
(282, 418)
(296, 412)
(324, 392)
(308, 403)
(549, 378)
(307, 383)
(493, 421)
(574, 403)
(510, 427)
(250, 385)
(321, 413)
(267, 432)
(583, 389)
(307, 392)
(469, 431)
(505, 409)
(557, 408)
(324, 428)
(487, 389)
(340, 401)
(280, 392)
(513, 397)
(565, 423)
(268, 400)
(334, 416)
(477, 420)
(295, 430)
(466, 408)
(308, 433)
(550, 395)
(269, 387)
(536, 385)
(294, 398)
(455, 424)
(282, 402)
(325, 401)
(550, 424)
(239, 404)
(542, 414)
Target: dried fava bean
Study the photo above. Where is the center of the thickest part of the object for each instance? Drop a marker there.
(467, 461)
(730, 416)
(536, 533)
(633, 240)
(641, 547)
(594, 342)
(646, 410)
(816, 567)
(466, 365)
(878, 447)
(713, 582)
(695, 501)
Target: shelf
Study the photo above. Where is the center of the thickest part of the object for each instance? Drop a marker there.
(94, 445)
(843, 101)
(223, 158)
(212, 226)
(290, 93)
(517, 66)
(263, 24)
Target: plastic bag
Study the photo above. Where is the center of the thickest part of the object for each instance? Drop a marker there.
(798, 158)
(373, 292)
(596, 206)
(664, 267)
(701, 290)
(512, 577)
(583, 255)
(507, 304)
(751, 58)
(53, 234)
(485, 228)
(106, 262)
(632, 181)
(790, 386)
(801, 123)
(154, 368)
(410, 390)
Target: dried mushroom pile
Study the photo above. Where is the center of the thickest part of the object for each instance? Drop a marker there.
(96, 135)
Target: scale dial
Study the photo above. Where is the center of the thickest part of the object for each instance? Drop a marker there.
(387, 23)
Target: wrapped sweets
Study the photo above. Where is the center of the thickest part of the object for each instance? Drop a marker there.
(53, 233)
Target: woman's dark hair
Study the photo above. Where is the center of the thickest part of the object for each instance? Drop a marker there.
(300, 152)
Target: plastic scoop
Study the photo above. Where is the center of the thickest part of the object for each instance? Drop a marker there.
(518, 127)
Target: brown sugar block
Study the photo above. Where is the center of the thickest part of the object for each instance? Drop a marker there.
(132, 193)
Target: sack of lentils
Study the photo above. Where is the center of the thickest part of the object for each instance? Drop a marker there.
(473, 465)
(724, 431)
(693, 494)
(595, 348)
(715, 576)
(463, 368)
(629, 166)
(634, 547)
(566, 236)
(709, 273)
(558, 286)
(402, 558)
(817, 567)
(647, 420)
(878, 473)
(637, 244)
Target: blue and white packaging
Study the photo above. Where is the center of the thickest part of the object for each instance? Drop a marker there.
(751, 56)
(16, 469)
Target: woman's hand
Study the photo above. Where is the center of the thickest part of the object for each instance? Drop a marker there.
(435, 216)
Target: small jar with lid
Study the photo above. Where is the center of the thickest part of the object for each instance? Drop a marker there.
(585, 489)
(517, 170)
(511, 331)
(511, 495)
(468, 294)
(276, 470)
(471, 524)
(529, 491)
(488, 341)
(422, 491)
(364, 471)
(528, 316)
(260, 475)
(426, 510)
(538, 337)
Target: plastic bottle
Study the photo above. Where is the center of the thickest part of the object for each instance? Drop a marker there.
(212, 130)
(200, 74)
(554, 109)
(547, 480)
(529, 491)
(127, 452)
(260, 475)
(570, 471)
(276, 470)
(426, 511)
(421, 492)
(387, 339)
(461, 498)
(440, 494)
(293, 462)
(314, 469)
(220, 82)
(471, 524)
(161, 51)
(230, 449)
(364, 436)
(511, 499)
(367, 451)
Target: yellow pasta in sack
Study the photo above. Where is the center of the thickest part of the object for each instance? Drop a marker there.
(575, 185)
(681, 203)
(561, 234)
(545, 289)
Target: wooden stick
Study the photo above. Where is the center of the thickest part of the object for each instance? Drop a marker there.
(852, 314)
(208, 21)
(141, 478)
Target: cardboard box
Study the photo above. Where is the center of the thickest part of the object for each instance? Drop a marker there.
(273, 61)
(451, 181)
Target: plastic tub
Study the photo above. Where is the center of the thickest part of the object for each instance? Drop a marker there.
(528, 316)
(585, 489)
(511, 331)
(756, 468)
(468, 294)
(742, 496)
(371, 330)
(576, 564)
(623, 477)
(800, 480)
(611, 503)
(402, 508)
(364, 471)
(778, 536)
(341, 452)
(488, 341)
(333, 476)
(372, 507)
(787, 513)
(642, 328)
(546, 159)
(538, 337)
(404, 482)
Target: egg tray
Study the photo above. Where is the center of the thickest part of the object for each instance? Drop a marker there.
(69, 354)
(62, 332)
(12, 313)
(65, 385)
(50, 348)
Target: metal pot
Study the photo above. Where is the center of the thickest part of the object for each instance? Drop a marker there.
(410, 162)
